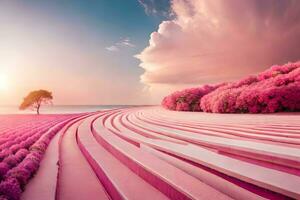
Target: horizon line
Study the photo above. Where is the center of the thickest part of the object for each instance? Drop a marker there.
(94, 105)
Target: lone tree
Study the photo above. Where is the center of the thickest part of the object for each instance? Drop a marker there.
(35, 99)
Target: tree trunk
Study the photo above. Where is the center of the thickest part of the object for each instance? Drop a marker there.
(38, 109)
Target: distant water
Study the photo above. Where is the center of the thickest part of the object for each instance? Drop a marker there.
(59, 109)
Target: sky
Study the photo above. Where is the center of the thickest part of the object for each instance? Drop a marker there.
(137, 51)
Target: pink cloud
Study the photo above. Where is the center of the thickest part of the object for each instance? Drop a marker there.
(213, 41)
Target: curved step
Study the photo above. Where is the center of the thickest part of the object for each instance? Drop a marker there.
(286, 156)
(234, 130)
(260, 176)
(75, 171)
(288, 139)
(119, 181)
(257, 175)
(171, 181)
(214, 181)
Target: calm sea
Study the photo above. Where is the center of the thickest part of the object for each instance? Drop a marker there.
(59, 109)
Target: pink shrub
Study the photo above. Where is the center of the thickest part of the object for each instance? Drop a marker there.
(22, 148)
(31, 163)
(2, 155)
(2, 197)
(19, 173)
(21, 154)
(11, 160)
(3, 169)
(10, 189)
(276, 89)
(188, 99)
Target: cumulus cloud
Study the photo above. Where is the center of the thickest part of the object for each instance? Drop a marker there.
(124, 42)
(213, 41)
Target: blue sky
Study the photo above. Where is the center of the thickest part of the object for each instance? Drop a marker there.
(44, 30)
(101, 22)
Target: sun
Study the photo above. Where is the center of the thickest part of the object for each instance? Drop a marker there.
(3, 82)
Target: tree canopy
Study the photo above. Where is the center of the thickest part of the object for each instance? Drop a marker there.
(36, 99)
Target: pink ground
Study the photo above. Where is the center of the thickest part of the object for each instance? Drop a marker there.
(152, 153)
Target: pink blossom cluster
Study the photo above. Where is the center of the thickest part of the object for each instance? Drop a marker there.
(188, 99)
(21, 150)
(274, 90)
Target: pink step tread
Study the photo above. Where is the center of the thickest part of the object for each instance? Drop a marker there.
(214, 181)
(257, 175)
(74, 170)
(273, 153)
(169, 178)
(119, 181)
(260, 176)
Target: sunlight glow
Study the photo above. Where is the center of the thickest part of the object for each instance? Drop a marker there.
(3, 82)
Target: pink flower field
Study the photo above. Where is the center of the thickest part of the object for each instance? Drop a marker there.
(23, 142)
(150, 153)
(274, 90)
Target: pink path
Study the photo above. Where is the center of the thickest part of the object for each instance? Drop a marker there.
(75, 174)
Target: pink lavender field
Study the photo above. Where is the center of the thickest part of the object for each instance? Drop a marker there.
(150, 153)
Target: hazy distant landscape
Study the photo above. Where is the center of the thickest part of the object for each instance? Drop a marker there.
(59, 109)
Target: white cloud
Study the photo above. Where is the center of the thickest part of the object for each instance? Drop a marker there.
(123, 43)
(156, 7)
(112, 48)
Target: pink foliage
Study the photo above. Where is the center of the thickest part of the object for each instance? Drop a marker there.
(274, 90)
(3, 169)
(188, 99)
(10, 189)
